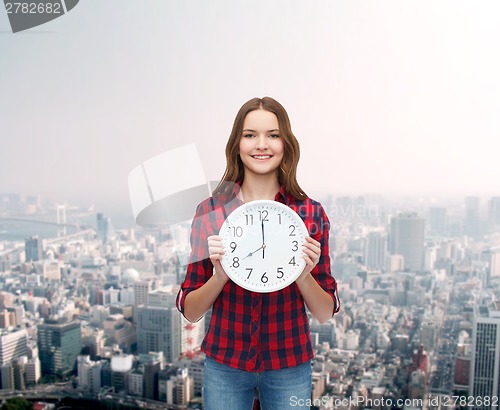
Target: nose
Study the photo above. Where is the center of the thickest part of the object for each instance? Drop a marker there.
(261, 142)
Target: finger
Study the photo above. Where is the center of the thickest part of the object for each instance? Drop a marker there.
(309, 263)
(215, 238)
(313, 241)
(215, 249)
(312, 255)
(214, 242)
(215, 245)
(312, 247)
(215, 257)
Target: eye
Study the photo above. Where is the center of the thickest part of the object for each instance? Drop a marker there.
(248, 135)
(274, 136)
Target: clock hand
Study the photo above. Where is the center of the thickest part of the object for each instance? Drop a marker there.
(251, 253)
(263, 240)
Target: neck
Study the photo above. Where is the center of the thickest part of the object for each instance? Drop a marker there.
(259, 187)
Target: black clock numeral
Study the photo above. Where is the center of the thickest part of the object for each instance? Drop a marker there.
(279, 219)
(280, 273)
(249, 219)
(250, 272)
(292, 262)
(263, 215)
(292, 230)
(236, 262)
(264, 278)
(233, 246)
(237, 231)
(295, 246)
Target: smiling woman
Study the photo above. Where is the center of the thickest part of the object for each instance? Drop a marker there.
(259, 341)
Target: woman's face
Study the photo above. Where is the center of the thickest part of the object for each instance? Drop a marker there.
(261, 147)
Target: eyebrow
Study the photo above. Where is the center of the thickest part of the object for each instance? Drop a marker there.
(248, 130)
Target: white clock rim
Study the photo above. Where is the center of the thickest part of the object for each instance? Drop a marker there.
(241, 208)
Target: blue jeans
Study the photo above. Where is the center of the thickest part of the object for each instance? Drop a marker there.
(228, 388)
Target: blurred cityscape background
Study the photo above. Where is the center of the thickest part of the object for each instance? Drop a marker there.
(87, 310)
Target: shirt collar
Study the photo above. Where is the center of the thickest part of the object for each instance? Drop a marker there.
(282, 195)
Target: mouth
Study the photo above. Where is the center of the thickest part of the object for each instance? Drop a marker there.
(261, 157)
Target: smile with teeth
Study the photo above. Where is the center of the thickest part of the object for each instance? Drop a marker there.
(261, 156)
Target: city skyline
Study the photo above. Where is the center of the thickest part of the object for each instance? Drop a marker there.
(390, 98)
(408, 332)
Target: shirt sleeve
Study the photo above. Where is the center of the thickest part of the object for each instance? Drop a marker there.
(200, 267)
(319, 229)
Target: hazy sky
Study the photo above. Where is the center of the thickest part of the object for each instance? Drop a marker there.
(384, 96)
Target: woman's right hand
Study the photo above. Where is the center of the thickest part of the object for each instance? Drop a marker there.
(216, 252)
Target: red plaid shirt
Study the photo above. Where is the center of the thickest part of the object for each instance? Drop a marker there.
(248, 330)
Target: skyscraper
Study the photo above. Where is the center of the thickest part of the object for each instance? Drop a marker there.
(494, 213)
(33, 248)
(162, 328)
(472, 222)
(375, 250)
(104, 227)
(485, 363)
(158, 330)
(59, 345)
(407, 239)
(437, 219)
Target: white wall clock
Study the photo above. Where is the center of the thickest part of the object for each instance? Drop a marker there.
(263, 245)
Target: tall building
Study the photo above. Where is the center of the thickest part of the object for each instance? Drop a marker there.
(13, 345)
(485, 361)
(180, 388)
(407, 239)
(121, 368)
(141, 290)
(196, 371)
(437, 219)
(472, 220)
(159, 330)
(136, 381)
(492, 258)
(7, 377)
(151, 371)
(161, 327)
(33, 248)
(375, 250)
(164, 376)
(89, 374)
(428, 335)
(104, 227)
(33, 370)
(494, 213)
(59, 345)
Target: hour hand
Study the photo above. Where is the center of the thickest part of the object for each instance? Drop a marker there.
(251, 253)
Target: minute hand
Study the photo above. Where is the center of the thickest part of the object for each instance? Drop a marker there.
(263, 240)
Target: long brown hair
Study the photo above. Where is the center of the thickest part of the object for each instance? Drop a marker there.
(287, 173)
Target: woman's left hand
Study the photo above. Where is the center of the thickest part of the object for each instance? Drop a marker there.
(312, 253)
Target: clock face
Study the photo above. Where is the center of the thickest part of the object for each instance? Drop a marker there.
(263, 245)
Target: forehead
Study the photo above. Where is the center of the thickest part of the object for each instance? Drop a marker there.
(261, 120)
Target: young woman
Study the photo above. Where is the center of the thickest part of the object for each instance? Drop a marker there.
(258, 342)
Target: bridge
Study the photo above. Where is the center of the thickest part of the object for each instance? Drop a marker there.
(38, 221)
